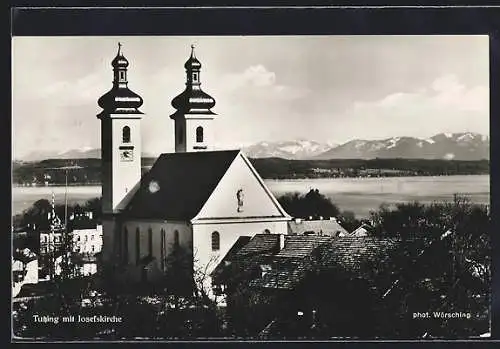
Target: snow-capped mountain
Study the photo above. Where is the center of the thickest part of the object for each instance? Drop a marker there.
(295, 149)
(458, 146)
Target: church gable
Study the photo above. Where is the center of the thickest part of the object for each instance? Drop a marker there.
(241, 194)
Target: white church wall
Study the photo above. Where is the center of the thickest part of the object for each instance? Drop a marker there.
(191, 125)
(126, 174)
(256, 202)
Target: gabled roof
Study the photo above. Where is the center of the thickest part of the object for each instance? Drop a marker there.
(259, 244)
(362, 230)
(352, 253)
(179, 184)
(300, 246)
(325, 227)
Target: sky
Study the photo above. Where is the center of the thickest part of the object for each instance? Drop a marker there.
(267, 88)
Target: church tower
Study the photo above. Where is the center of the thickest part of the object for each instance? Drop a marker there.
(120, 139)
(193, 118)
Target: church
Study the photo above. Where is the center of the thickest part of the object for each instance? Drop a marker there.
(196, 198)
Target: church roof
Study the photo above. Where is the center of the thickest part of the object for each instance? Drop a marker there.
(179, 184)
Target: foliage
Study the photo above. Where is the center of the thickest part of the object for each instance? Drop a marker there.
(313, 204)
(440, 262)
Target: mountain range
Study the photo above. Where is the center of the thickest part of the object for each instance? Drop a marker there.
(451, 146)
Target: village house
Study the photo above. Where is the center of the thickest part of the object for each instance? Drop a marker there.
(306, 286)
(24, 269)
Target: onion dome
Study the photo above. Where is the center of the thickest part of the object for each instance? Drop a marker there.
(192, 62)
(119, 61)
(120, 99)
(193, 100)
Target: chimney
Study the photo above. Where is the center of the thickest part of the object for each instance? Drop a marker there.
(282, 241)
(320, 218)
(333, 219)
(310, 218)
(90, 215)
(298, 220)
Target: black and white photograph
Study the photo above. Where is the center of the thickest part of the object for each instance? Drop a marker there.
(272, 187)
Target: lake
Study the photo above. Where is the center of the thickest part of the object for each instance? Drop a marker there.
(359, 195)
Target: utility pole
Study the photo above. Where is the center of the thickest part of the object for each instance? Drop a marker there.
(65, 238)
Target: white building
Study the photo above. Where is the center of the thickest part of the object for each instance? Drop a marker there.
(87, 240)
(195, 198)
(24, 270)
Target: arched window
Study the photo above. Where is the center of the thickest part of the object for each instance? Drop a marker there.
(137, 246)
(150, 241)
(162, 247)
(125, 245)
(199, 134)
(176, 238)
(126, 134)
(215, 241)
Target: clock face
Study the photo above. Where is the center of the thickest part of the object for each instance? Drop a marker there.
(126, 155)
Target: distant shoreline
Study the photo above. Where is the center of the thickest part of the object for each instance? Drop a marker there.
(266, 179)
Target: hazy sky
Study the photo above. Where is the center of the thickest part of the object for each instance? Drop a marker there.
(324, 88)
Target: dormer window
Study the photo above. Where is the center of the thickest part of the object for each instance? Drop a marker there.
(264, 269)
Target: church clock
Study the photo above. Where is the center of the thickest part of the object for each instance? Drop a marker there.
(127, 154)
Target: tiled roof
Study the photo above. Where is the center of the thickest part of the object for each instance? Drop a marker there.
(230, 255)
(325, 227)
(286, 273)
(260, 244)
(302, 245)
(359, 257)
(352, 253)
(179, 184)
(82, 223)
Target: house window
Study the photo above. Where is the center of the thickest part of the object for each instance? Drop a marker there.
(125, 245)
(86, 238)
(137, 246)
(93, 248)
(199, 134)
(162, 247)
(176, 238)
(126, 134)
(150, 241)
(215, 241)
(92, 237)
(78, 238)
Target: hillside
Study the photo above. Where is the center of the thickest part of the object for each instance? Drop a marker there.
(268, 168)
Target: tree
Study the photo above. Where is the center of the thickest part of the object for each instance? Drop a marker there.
(313, 204)
(349, 221)
(453, 269)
